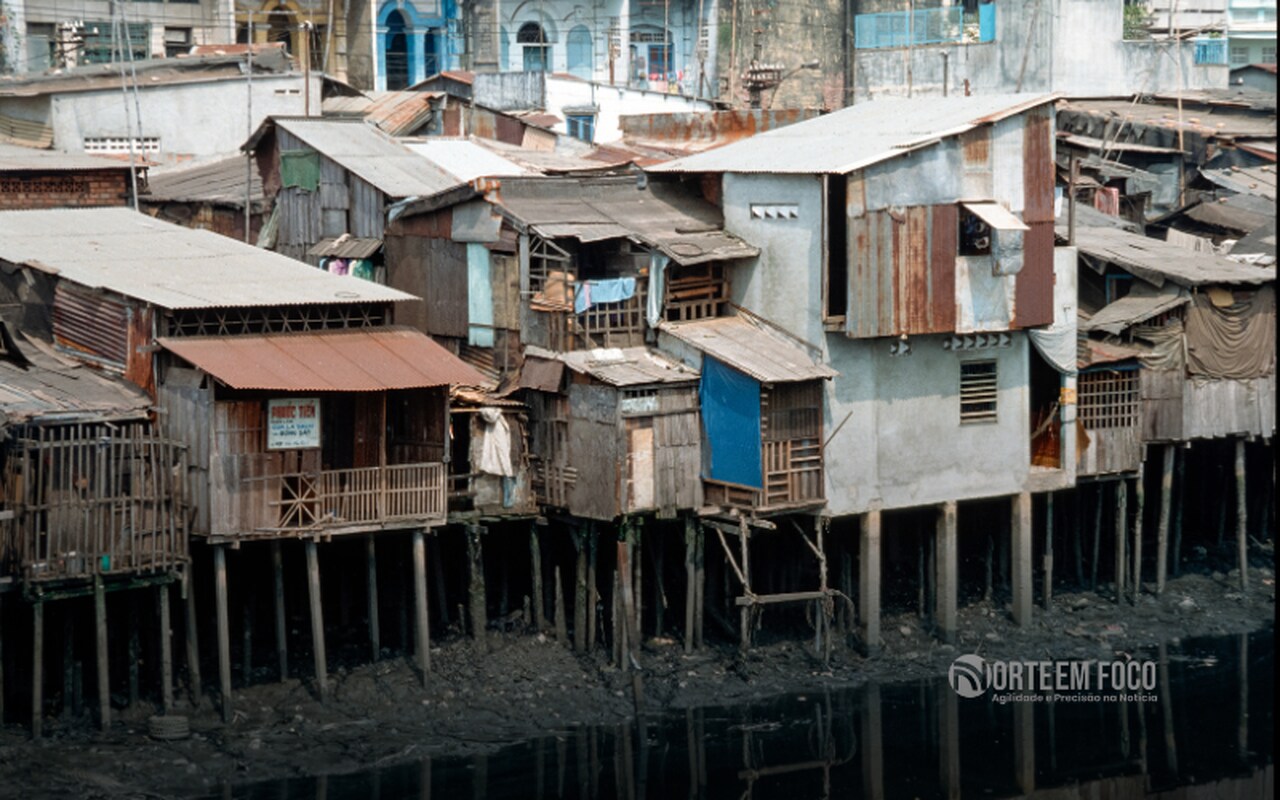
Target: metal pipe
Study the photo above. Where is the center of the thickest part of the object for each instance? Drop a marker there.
(1071, 201)
(946, 71)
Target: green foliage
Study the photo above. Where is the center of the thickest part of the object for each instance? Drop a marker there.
(1137, 22)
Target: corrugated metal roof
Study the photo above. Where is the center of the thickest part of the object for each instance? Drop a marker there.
(751, 348)
(1260, 181)
(345, 246)
(1097, 353)
(629, 366)
(150, 72)
(220, 182)
(1138, 306)
(687, 229)
(350, 360)
(35, 383)
(399, 113)
(1156, 262)
(1090, 143)
(464, 159)
(541, 374)
(1239, 212)
(132, 254)
(26, 159)
(857, 136)
(375, 157)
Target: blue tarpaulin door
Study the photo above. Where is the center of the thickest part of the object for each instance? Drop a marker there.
(731, 425)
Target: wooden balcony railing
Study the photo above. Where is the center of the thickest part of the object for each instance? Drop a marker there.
(360, 496)
(792, 479)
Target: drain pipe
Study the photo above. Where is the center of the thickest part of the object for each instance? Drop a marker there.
(946, 71)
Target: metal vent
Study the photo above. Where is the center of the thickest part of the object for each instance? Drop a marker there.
(978, 391)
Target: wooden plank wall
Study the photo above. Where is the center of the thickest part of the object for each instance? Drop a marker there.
(595, 450)
(242, 488)
(677, 444)
(187, 414)
(434, 269)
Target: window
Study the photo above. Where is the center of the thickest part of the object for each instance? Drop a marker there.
(1210, 51)
(177, 41)
(121, 144)
(1108, 399)
(582, 126)
(98, 44)
(978, 392)
(975, 235)
(1239, 55)
(837, 283)
(537, 56)
(1269, 55)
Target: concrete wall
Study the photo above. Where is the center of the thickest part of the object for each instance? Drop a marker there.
(791, 33)
(194, 121)
(902, 443)
(612, 103)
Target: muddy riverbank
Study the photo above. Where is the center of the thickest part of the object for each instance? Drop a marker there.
(525, 685)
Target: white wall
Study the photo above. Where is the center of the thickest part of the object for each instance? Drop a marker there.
(613, 102)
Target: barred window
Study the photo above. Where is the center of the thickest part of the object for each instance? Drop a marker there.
(977, 391)
(1108, 399)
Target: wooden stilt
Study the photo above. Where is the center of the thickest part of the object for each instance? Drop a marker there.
(1020, 557)
(134, 650)
(1121, 529)
(580, 592)
(988, 561)
(593, 591)
(192, 641)
(1139, 501)
(1048, 550)
(947, 573)
(869, 582)
(846, 588)
(690, 571)
(616, 625)
(476, 590)
(744, 617)
(166, 648)
(68, 661)
(535, 559)
(224, 628)
(1242, 518)
(2, 629)
(1077, 531)
(637, 584)
(104, 678)
(562, 634)
(922, 578)
(246, 632)
(282, 629)
(656, 552)
(629, 616)
(699, 584)
(435, 565)
(1162, 526)
(317, 620)
(371, 560)
(1179, 509)
(37, 670)
(1099, 498)
(423, 647)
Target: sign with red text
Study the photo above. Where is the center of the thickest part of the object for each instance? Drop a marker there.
(293, 423)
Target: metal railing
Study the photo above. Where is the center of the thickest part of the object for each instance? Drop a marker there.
(925, 26)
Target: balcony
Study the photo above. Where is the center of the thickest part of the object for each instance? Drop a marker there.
(897, 29)
(359, 498)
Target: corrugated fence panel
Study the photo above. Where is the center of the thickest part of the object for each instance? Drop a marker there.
(91, 323)
(366, 211)
(902, 272)
(1038, 167)
(943, 249)
(1033, 291)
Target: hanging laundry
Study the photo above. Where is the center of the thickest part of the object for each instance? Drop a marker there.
(613, 290)
(495, 444)
(338, 266)
(300, 168)
(582, 298)
(362, 268)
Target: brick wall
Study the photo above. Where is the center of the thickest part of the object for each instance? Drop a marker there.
(64, 189)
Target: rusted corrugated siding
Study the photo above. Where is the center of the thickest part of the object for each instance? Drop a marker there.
(1033, 292)
(508, 130)
(1038, 167)
(91, 323)
(138, 366)
(902, 272)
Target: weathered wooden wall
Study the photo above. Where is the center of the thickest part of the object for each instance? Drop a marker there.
(596, 450)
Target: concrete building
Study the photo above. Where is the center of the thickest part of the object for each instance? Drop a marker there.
(910, 244)
(1251, 32)
(183, 110)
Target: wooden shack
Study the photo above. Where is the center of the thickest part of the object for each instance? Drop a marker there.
(1109, 410)
(211, 197)
(761, 401)
(489, 471)
(613, 432)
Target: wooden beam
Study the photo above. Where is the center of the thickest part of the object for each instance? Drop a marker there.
(423, 638)
(224, 628)
(371, 563)
(166, 649)
(535, 560)
(104, 677)
(1020, 555)
(580, 591)
(476, 589)
(744, 621)
(37, 670)
(1162, 527)
(1048, 550)
(1121, 530)
(282, 629)
(1140, 499)
(1242, 517)
(192, 641)
(317, 620)
(690, 577)
(781, 597)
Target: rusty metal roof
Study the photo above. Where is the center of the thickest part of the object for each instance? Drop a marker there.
(1157, 262)
(686, 229)
(220, 182)
(1096, 353)
(36, 384)
(399, 113)
(541, 374)
(1260, 181)
(132, 254)
(750, 347)
(349, 360)
(345, 246)
(1138, 306)
(857, 136)
(628, 366)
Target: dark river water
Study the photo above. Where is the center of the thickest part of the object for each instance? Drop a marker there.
(1208, 733)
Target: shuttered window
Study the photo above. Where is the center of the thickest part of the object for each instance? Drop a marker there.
(977, 391)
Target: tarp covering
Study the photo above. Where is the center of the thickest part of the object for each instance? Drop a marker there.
(495, 447)
(479, 297)
(1236, 341)
(657, 282)
(1057, 345)
(731, 421)
(1168, 345)
(300, 168)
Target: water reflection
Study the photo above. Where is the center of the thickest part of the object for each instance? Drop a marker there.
(1210, 728)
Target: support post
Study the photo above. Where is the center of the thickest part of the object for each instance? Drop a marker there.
(282, 630)
(1179, 509)
(134, 650)
(192, 634)
(593, 591)
(1121, 526)
(1020, 555)
(37, 670)
(224, 628)
(948, 703)
(166, 649)
(580, 592)
(1097, 535)
(1139, 497)
(423, 641)
(629, 615)
(744, 617)
(1024, 746)
(535, 558)
(562, 635)
(371, 559)
(1048, 550)
(1242, 518)
(869, 582)
(476, 590)
(317, 620)
(104, 678)
(947, 573)
(690, 574)
(1162, 527)
(699, 584)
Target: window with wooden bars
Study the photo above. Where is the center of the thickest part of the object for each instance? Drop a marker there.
(978, 392)
(1108, 399)
(696, 292)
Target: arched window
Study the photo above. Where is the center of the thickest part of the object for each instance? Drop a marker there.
(431, 61)
(578, 52)
(537, 53)
(504, 50)
(397, 52)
